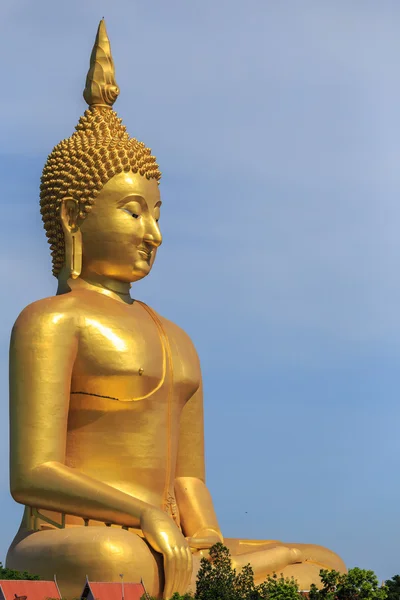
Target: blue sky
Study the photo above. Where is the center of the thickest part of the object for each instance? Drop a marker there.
(276, 126)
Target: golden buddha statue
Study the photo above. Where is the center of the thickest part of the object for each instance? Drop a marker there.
(106, 398)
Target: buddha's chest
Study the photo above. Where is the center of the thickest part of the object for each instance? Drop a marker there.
(128, 357)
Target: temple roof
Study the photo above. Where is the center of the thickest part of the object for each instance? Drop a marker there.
(113, 591)
(11, 589)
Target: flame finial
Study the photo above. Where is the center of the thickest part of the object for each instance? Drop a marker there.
(101, 88)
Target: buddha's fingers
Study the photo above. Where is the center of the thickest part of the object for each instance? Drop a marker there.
(185, 570)
(177, 570)
(169, 575)
(269, 560)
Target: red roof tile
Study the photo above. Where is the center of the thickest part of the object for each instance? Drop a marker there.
(113, 591)
(33, 590)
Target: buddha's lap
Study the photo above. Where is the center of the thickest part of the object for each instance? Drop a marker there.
(102, 553)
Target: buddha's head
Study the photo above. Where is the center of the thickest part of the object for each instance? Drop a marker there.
(100, 199)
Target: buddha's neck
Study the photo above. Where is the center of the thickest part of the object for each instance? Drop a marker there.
(119, 290)
(122, 288)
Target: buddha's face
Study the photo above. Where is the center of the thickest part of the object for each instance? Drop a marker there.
(120, 236)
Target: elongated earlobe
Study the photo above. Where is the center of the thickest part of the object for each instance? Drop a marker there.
(72, 237)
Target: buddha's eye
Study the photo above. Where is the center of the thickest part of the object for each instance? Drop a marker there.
(131, 212)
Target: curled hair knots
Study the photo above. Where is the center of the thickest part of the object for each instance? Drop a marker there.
(82, 164)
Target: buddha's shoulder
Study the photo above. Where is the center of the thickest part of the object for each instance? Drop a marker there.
(52, 311)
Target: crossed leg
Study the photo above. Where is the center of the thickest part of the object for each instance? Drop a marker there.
(102, 553)
(301, 561)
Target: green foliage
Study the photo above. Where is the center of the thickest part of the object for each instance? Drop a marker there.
(393, 588)
(217, 580)
(357, 584)
(11, 574)
(279, 588)
(177, 596)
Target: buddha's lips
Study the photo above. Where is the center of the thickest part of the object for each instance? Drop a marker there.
(145, 252)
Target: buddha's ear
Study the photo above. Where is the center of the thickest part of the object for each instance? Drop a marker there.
(69, 214)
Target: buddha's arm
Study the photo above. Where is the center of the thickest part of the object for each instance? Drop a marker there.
(43, 349)
(196, 508)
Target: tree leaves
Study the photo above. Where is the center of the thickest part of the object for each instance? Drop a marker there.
(11, 574)
(357, 584)
(393, 588)
(217, 580)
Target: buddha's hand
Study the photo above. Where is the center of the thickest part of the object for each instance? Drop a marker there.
(164, 536)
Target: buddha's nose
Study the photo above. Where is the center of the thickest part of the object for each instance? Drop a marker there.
(153, 239)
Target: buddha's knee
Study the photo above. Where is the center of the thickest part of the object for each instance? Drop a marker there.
(119, 551)
(101, 553)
